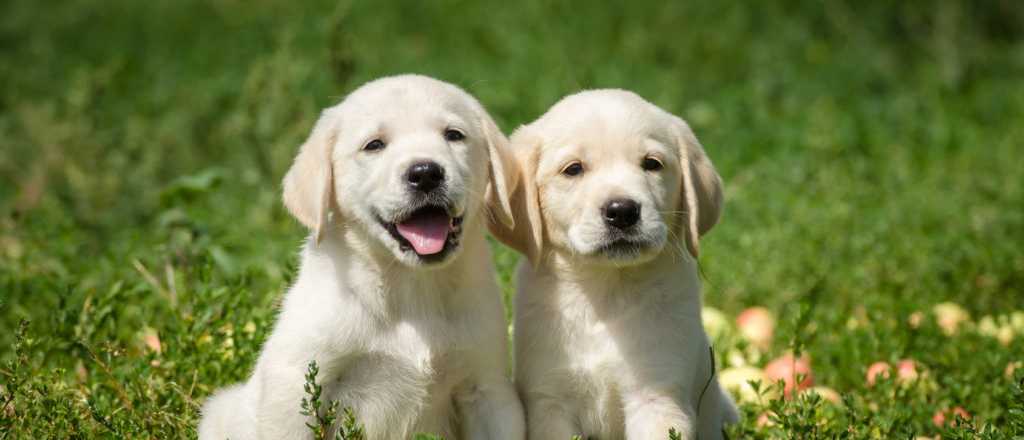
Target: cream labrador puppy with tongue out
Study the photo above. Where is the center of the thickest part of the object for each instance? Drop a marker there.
(395, 298)
(613, 197)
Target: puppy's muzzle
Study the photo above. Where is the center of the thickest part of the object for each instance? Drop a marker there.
(621, 214)
(623, 238)
(428, 224)
(424, 177)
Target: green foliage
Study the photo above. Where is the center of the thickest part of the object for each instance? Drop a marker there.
(323, 419)
(870, 154)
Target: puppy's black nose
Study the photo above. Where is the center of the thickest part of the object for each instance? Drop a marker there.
(621, 213)
(425, 176)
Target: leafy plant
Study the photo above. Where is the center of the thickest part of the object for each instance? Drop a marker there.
(323, 418)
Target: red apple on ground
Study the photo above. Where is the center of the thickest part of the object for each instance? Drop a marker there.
(906, 370)
(876, 369)
(950, 317)
(152, 340)
(738, 379)
(756, 325)
(948, 417)
(999, 327)
(827, 393)
(794, 372)
(1011, 368)
(915, 319)
(716, 325)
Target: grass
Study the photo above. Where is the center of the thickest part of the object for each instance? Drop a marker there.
(871, 154)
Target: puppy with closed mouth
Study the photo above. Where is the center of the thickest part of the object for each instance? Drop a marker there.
(612, 198)
(396, 298)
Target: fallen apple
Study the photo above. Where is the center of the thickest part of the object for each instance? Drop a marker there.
(949, 416)
(826, 393)
(715, 323)
(906, 370)
(757, 325)
(765, 420)
(1011, 368)
(950, 317)
(876, 369)
(152, 340)
(738, 381)
(794, 372)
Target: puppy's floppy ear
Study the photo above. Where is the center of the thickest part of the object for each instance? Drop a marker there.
(701, 195)
(503, 174)
(309, 184)
(526, 235)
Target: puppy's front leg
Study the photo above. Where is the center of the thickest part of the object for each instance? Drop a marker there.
(491, 410)
(279, 402)
(547, 420)
(650, 415)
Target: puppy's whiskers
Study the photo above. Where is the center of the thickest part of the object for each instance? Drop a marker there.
(671, 212)
(674, 242)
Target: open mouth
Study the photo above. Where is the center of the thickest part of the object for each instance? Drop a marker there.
(429, 231)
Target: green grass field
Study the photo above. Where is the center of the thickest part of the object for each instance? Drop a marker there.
(871, 151)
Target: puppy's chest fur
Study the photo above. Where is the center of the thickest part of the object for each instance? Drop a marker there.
(412, 367)
(591, 348)
(598, 374)
(609, 344)
(604, 331)
(596, 361)
(434, 352)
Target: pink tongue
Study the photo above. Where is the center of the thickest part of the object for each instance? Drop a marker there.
(426, 233)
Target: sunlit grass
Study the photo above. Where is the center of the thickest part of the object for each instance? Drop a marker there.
(871, 155)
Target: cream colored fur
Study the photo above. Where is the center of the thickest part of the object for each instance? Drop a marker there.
(410, 346)
(609, 342)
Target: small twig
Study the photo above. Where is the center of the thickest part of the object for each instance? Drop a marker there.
(171, 285)
(700, 400)
(192, 387)
(120, 391)
(148, 276)
(99, 418)
(191, 404)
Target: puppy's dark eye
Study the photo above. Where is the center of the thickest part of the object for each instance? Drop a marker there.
(651, 164)
(374, 145)
(573, 169)
(453, 135)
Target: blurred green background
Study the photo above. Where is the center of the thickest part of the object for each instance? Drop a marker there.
(871, 151)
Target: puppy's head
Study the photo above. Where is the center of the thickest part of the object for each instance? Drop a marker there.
(610, 178)
(408, 162)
